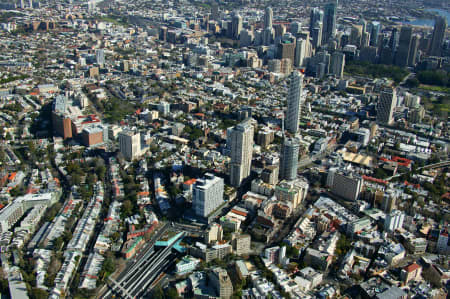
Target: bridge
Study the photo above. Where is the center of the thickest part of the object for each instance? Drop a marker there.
(137, 280)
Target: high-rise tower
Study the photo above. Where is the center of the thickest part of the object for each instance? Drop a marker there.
(386, 104)
(268, 18)
(294, 102)
(440, 26)
(329, 22)
(289, 158)
(241, 152)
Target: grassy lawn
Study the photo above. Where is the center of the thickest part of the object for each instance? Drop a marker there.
(114, 19)
(361, 68)
(434, 88)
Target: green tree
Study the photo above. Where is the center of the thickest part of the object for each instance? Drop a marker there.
(127, 208)
(157, 293)
(172, 294)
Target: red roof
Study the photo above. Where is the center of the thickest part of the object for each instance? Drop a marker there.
(239, 212)
(375, 180)
(190, 182)
(412, 267)
(12, 176)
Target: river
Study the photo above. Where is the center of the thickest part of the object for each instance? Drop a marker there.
(430, 22)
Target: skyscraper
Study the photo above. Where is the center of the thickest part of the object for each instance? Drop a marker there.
(415, 41)
(337, 64)
(267, 36)
(215, 11)
(386, 104)
(316, 35)
(300, 52)
(289, 158)
(236, 26)
(241, 152)
(329, 22)
(356, 35)
(440, 26)
(393, 41)
(404, 44)
(394, 220)
(375, 29)
(207, 195)
(316, 16)
(286, 49)
(294, 102)
(100, 56)
(295, 28)
(268, 18)
(130, 144)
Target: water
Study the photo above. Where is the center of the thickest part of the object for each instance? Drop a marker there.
(430, 22)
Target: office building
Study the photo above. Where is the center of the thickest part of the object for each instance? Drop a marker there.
(386, 103)
(215, 11)
(164, 108)
(356, 35)
(347, 186)
(268, 18)
(416, 114)
(275, 255)
(246, 38)
(286, 49)
(300, 52)
(280, 31)
(267, 36)
(274, 65)
(295, 28)
(221, 282)
(374, 30)
(437, 40)
(130, 144)
(93, 135)
(404, 44)
(316, 34)
(362, 135)
(294, 102)
(214, 234)
(337, 64)
(442, 245)
(241, 152)
(207, 195)
(388, 201)
(415, 41)
(208, 254)
(100, 56)
(293, 191)
(241, 244)
(394, 221)
(394, 39)
(236, 26)
(329, 22)
(289, 158)
(315, 17)
(61, 120)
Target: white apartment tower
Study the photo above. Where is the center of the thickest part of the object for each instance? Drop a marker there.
(207, 195)
(241, 152)
(294, 102)
(130, 144)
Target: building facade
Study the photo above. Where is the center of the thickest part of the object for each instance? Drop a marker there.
(241, 152)
(207, 195)
(294, 102)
